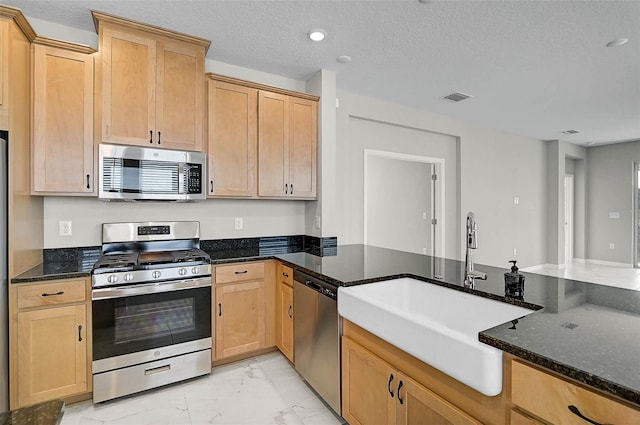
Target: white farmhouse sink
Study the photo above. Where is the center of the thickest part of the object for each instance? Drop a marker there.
(435, 324)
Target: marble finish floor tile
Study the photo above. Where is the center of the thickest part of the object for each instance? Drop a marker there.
(263, 390)
(609, 275)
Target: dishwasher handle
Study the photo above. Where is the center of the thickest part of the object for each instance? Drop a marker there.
(325, 288)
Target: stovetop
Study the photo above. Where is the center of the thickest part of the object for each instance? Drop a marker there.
(146, 260)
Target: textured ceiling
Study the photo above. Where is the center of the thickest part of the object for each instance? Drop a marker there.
(534, 68)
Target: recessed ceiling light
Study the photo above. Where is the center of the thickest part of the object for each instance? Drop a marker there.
(590, 143)
(317, 34)
(344, 59)
(617, 42)
(570, 132)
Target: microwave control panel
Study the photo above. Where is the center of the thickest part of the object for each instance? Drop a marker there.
(194, 178)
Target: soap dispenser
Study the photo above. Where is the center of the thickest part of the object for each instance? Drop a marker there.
(514, 282)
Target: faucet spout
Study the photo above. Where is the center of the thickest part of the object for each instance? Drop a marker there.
(470, 275)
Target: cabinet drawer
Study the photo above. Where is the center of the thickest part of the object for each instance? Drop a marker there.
(285, 274)
(239, 272)
(57, 292)
(550, 399)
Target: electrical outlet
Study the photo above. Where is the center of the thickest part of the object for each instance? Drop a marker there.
(612, 245)
(64, 228)
(516, 200)
(317, 222)
(239, 223)
(515, 251)
(424, 215)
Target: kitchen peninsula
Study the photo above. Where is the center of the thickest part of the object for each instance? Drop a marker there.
(586, 332)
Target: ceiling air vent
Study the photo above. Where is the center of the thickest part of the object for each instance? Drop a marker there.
(457, 97)
(570, 132)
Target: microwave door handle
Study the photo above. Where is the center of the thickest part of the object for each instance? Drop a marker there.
(182, 178)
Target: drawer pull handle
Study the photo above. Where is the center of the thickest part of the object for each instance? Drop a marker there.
(159, 140)
(242, 272)
(576, 412)
(219, 309)
(284, 274)
(88, 185)
(399, 388)
(286, 189)
(389, 385)
(151, 136)
(291, 188)
(52, 295)
(159, 369)
(212, 186)
(289, 312)
(79, 333)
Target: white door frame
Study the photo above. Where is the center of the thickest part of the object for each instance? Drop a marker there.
(568, 218)
(437, 190)
(636, 215)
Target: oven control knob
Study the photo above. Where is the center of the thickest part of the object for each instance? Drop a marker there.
(155, 274)
(182, 271)
(195, 270)
(128, 277)
(112, 278)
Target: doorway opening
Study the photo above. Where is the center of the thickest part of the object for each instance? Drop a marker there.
(404, 202)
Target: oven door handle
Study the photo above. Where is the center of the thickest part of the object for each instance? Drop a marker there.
(149, 288)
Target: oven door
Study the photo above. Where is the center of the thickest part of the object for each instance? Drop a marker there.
(146, 317)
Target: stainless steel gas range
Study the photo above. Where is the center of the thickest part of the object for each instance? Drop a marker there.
(151, 302)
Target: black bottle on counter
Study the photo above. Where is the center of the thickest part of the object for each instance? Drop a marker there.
(514, 283)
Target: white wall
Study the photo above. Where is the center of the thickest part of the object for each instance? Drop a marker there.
(216, 216)
(494, 167)
(610, 181)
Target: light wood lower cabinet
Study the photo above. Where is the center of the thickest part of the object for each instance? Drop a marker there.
(244, 309)
(555, 400)
(50, 334)
(240, 321)
(284, 310)
(374, 392)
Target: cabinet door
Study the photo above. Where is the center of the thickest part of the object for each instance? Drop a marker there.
(179, 96)
(284, 330)
(368, 386)
(417, 405)
(128, 87)
(62, 121)
(303, 146)
(240, 320)
(273, 137)
(52, 353)
(232, 139)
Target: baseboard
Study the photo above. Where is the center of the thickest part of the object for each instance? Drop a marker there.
(609, 263)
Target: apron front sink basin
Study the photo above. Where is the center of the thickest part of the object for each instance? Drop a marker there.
(435, 324)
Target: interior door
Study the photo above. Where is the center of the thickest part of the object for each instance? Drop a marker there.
(636, 215)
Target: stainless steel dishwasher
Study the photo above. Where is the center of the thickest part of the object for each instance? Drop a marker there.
(317, 336)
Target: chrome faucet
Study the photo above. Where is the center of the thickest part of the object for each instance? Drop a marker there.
(470, 275)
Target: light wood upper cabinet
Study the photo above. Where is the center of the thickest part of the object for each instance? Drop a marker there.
(62, 137)
(4, 73)
(232, 139)
(287, 146)
(152, 85)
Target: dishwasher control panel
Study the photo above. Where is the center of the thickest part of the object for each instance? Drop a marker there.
(325, 288)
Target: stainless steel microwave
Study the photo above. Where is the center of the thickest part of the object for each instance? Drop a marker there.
(131, 173)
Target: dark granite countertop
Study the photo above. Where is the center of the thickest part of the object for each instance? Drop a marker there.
(46, 413)
(585, 331)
